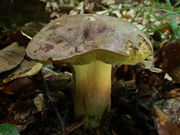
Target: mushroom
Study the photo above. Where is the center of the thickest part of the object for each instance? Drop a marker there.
(90, 44)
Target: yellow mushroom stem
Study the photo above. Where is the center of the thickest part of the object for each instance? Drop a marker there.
(92, 91)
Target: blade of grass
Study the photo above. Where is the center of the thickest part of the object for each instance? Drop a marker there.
(146, 7)
(157, 19)
(138, 12)
(177, 3)
(174, 25)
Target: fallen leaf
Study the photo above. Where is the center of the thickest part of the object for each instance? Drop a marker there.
(174, 92)
(27, 68)
(168, 58)
(165, 126)
(39, 102)
(168, 113)
(21, 84)
(19, 113)
(11, 56)
(31, 28)
(126, 16)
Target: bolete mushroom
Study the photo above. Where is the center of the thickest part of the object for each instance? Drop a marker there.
(91, 44)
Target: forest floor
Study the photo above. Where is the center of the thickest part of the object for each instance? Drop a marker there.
(36, 99)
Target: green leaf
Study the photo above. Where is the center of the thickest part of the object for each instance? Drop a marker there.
(8, 129)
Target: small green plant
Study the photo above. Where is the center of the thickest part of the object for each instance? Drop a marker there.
(8, 129)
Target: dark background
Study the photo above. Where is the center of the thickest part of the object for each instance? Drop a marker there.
(15, 13)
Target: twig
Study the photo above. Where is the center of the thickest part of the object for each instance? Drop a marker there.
(52, 104)
(74, 127)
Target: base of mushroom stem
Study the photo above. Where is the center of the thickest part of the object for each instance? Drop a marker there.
(92, 122)
(92, 92)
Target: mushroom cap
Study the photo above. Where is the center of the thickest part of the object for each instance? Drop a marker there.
(80, 39)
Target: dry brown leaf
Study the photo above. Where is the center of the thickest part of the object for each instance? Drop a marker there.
(11, 56)
(168, 58)
(174, 92)
(31, 28)
(27, 68)
(20, 112)
(39, 102)
(168, 114)
(19, 85)
(165, 126)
